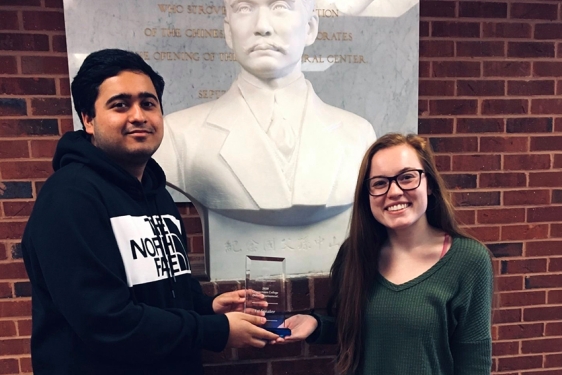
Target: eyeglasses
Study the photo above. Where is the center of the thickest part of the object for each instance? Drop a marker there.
(408, 180)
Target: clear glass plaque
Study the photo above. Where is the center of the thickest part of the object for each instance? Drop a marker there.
(266, 275)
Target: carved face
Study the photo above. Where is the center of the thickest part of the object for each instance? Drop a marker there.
(269, 36)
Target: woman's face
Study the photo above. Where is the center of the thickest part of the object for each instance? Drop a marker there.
(398, 209)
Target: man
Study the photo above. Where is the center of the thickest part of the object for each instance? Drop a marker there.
(269, 151)
(105, 247)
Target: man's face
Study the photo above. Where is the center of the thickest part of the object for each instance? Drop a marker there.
(269, 36)
(128, 123)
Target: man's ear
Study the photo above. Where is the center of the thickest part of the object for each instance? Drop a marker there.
(311, 29)
(227, 34)
(88, 122)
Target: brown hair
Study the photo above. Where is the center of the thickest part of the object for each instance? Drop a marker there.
(357, 261)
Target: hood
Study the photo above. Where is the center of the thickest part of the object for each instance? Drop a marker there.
(75, 147)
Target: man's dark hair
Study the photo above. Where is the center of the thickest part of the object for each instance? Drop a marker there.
(104, 64)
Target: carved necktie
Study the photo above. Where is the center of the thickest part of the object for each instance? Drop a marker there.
(281, 132)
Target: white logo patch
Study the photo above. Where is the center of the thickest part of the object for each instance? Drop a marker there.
(150, 247)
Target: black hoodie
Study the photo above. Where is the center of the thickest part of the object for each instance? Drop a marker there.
(111, 283)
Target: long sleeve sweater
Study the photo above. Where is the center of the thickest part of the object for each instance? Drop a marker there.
(437, 323)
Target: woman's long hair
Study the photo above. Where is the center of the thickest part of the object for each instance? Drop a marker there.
(356, 264)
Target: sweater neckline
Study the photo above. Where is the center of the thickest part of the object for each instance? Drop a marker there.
(408, 284)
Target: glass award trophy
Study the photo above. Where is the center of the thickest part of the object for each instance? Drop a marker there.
(266, 275)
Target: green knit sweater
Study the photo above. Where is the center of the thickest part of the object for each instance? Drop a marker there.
(437, 323)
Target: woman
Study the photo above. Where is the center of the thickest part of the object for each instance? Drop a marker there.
(412, 294)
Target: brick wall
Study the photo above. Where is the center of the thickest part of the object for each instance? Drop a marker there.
(490, 102)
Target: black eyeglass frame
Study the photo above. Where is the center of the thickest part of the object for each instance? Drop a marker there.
(395, 179)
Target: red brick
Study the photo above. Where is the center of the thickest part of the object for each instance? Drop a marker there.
(516, 266)
(67, 125)
(435, 126)
(453, 107)
(320, 366)
(480, 125)
(465, 217)
(423, 107)
(53, 4)
(548, 31)
(556, 230)
(488, 180)
(546, 143)
(14, 270)
(460, 181)
(24, 327)
(546, 106)
(504, 144)
(13, 149)
(541, 214)
(49, 21)
(424, 69)
(545, 179)
(15, 308)
(51, 106)
(25, 169)
(321, 292)
(11, 230)
(528, 88)
(15, 346)
(8, 65)
(529, 125)
(557, 161)
(506, 316)
(554, 296)
(437, 48)
(25, 364)
(534, 11)
(44, 65)
(59, 43)
(317, 350)
(25, 127)
(519, 363)
(27, 86)
(237, 369)
(543, 248)
(64, 85)
(9, 366)
(14, 209)
(9, 20)
(552, 360)
(547, 69)
(520, 331)
(526, 162)
(5, 291)
(24, 42)
(530, 49)
(544, 281)
(526, 197)
(476, 162)
(481, 9)
(508, 283)
(3, 254)
(476, 199)
(504, 249)
(7, 328)
(13, 107)
(556, 196)
(535, 314)
(43, 148)
(193, 225)
(455, 29)
(505, 106)
(512, 299)
(501, 216)
(424, 28)
(507, 69)
(454, 144)
(480, 88)
(553, 329)
(480, 49)
(555, 265)
(485, 234)
(505, 348)
(269, 351)
(456, 69)
(197, 245)
(438, 9)
(22, 2)
(443, 163)
(506, 30)
(524, 232)
(436, 88)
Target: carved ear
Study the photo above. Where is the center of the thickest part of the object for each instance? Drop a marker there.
(311, 29)
(228, 34)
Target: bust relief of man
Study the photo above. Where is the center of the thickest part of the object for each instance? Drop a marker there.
(269, 151)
